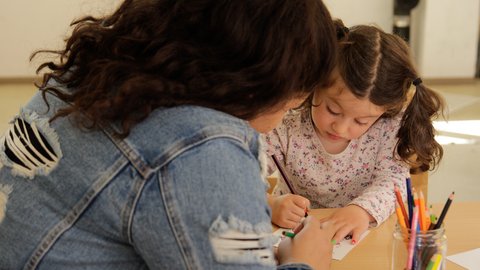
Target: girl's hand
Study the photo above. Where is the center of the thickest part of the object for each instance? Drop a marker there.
(354, 221)
(288, 210)
(311, 244)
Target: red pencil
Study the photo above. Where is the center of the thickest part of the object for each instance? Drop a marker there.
(402, 206)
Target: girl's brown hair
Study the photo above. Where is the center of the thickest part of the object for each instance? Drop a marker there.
(239, 57)
(378, 66)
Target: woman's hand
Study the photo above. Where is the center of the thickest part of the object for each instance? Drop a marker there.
(311, 245)
(288, 210)
(354, 219)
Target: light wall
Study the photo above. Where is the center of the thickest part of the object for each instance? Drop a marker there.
(378, 12)
(444, 32)
(29, 25)
(445, 37)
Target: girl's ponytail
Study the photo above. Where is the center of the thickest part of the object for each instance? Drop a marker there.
(416, 144)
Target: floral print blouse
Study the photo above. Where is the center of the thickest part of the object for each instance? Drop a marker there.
(363, 174)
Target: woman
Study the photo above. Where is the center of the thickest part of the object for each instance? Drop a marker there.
(142, 150)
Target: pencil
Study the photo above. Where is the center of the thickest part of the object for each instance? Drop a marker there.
(292, 235)
(288, 234)
(409, 199)
(433, 218)
(400, 217)
(415, 197)
(428, 220)
(444, 211)
(285, 178)
(417, 205)
(432, 262)
(423, 215)
(413, 236)
(438, 261)
(283, 173)
(402, 205)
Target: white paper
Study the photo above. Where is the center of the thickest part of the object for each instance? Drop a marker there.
(340, 250)
(468, 259)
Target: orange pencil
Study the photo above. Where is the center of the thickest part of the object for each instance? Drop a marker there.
(423, 216)
(415, 198)
(400, 217)
(402, 205)
(421, 221)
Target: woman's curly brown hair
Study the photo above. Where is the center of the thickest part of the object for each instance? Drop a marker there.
(239, 57)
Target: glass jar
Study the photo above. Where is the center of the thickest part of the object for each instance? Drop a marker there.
(429, 246)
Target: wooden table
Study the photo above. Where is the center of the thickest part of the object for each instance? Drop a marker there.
(462, 227)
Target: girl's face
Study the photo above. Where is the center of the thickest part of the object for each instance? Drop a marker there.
(270, 120)
(339, 116)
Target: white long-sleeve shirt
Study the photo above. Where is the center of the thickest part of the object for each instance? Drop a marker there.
(363, 174)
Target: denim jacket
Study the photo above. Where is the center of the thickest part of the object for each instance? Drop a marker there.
(183, 191)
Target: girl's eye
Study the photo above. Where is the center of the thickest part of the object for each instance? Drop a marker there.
(332, 112)
(360, 123)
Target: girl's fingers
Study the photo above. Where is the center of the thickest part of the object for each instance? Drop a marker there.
(291, 220)
(324, 220)
(298, 212)
(356, 234)
(301, 202)
(341, 233)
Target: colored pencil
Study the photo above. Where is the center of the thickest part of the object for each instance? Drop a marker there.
(433, 219)
(413, 236)
(402, 205)
(432, 262)
(438, 262)
(416, 200)
(428, 218)
(283, 172)
(409, 199)
(292, 235)
(444, 211)
(288, 234)
(400, 217)
(423, 216)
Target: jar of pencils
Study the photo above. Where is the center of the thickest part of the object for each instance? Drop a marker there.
(420, 250)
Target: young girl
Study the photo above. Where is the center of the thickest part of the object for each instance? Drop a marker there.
(354, 139)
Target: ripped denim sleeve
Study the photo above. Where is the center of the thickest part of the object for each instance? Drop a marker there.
(30, 146)
(237, 241)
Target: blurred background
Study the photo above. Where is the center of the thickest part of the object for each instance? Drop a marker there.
(443, 35)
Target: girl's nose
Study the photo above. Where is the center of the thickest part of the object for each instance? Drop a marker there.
(340, 126)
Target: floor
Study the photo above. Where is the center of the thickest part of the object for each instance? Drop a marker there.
(460, 136)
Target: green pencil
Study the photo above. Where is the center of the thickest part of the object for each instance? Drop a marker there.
(292, 235)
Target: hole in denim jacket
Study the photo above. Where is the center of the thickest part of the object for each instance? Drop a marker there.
(28, 150)
(237, 241)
